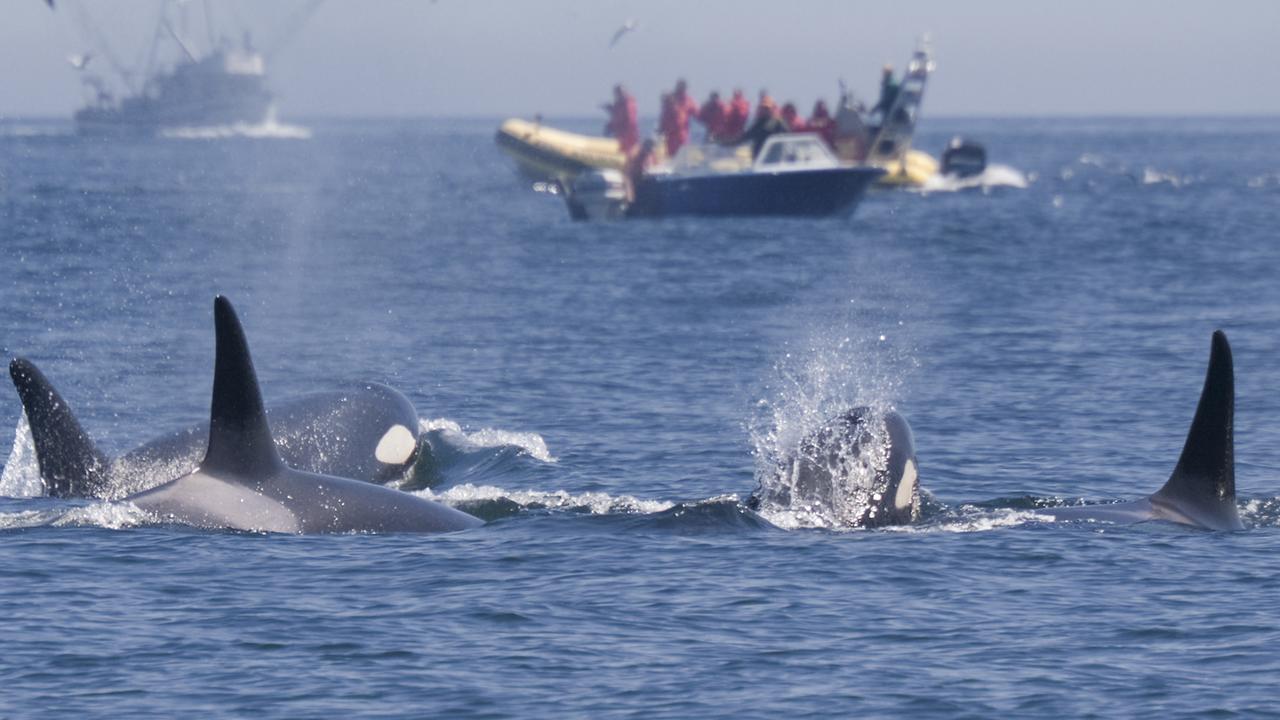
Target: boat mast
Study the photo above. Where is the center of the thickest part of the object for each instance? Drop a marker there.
(208, 25)
(90, 33)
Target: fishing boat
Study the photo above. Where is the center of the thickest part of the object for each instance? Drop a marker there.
(180, 87)
(227, 87)
(793, 174)
(883, 140)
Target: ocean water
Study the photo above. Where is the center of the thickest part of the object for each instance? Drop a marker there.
(605, 396)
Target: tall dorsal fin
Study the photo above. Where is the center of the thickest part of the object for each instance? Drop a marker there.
(70, 463)
(240, 441)
(1203, 485)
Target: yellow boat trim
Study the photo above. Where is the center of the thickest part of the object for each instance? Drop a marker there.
(557, 153)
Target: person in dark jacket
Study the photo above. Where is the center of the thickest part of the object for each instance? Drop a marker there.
(888, 94)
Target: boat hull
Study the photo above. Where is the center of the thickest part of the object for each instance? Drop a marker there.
(828, 191)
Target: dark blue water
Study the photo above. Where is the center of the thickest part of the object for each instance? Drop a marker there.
(603, 394)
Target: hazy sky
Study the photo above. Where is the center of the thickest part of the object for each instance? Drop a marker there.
(509, 57)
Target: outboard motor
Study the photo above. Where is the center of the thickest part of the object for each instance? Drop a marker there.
(964, 158)
(859, 469)
(597, 195)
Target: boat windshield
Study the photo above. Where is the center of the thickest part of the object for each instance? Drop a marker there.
(794, 151)
(711, 159)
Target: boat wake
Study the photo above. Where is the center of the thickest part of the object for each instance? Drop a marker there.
(269, 130)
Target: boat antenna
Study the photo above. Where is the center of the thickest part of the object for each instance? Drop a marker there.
(208, 26)
(178, 39)
(89, 33)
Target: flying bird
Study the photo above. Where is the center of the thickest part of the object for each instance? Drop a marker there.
(79, 61)
(629, 26)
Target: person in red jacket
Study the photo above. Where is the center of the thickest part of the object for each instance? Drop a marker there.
(713, 115)
(822, 123)
(673, 124)
(792, 118)
(735, 121)
(622, 120)
(682, 99)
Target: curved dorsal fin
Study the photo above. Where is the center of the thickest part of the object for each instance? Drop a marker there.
(1203, 485)
(70, 463)
(240, 441)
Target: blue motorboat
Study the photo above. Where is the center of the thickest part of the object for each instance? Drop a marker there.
(793, 174)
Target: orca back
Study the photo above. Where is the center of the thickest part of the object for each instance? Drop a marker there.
(243, 484)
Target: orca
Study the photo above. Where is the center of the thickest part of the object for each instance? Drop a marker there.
(243, 484)
(1202, 489)
(860, 466)
(829, 469)
(366, 431)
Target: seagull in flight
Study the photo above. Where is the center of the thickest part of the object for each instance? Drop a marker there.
(629, 26)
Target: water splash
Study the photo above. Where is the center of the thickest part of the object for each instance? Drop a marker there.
(821, 382)
(21, 477)
(109, 515)
(995, 176)
(529, 443)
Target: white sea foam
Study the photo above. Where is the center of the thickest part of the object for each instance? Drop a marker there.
(110, 515)
(977, 520)
(27, 518)
(21, 477)
(530, 443)
(266, 130)
(1262, 181)
(1151, 176)
(597, 503)
(993, 177)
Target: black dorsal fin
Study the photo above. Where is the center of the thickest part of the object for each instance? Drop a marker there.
(240, 442)
(70, 463)
(1203, 485)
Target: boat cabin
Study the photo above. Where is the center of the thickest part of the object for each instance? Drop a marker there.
(780, 153)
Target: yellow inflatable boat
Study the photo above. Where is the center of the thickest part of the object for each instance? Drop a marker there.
(544, 153)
